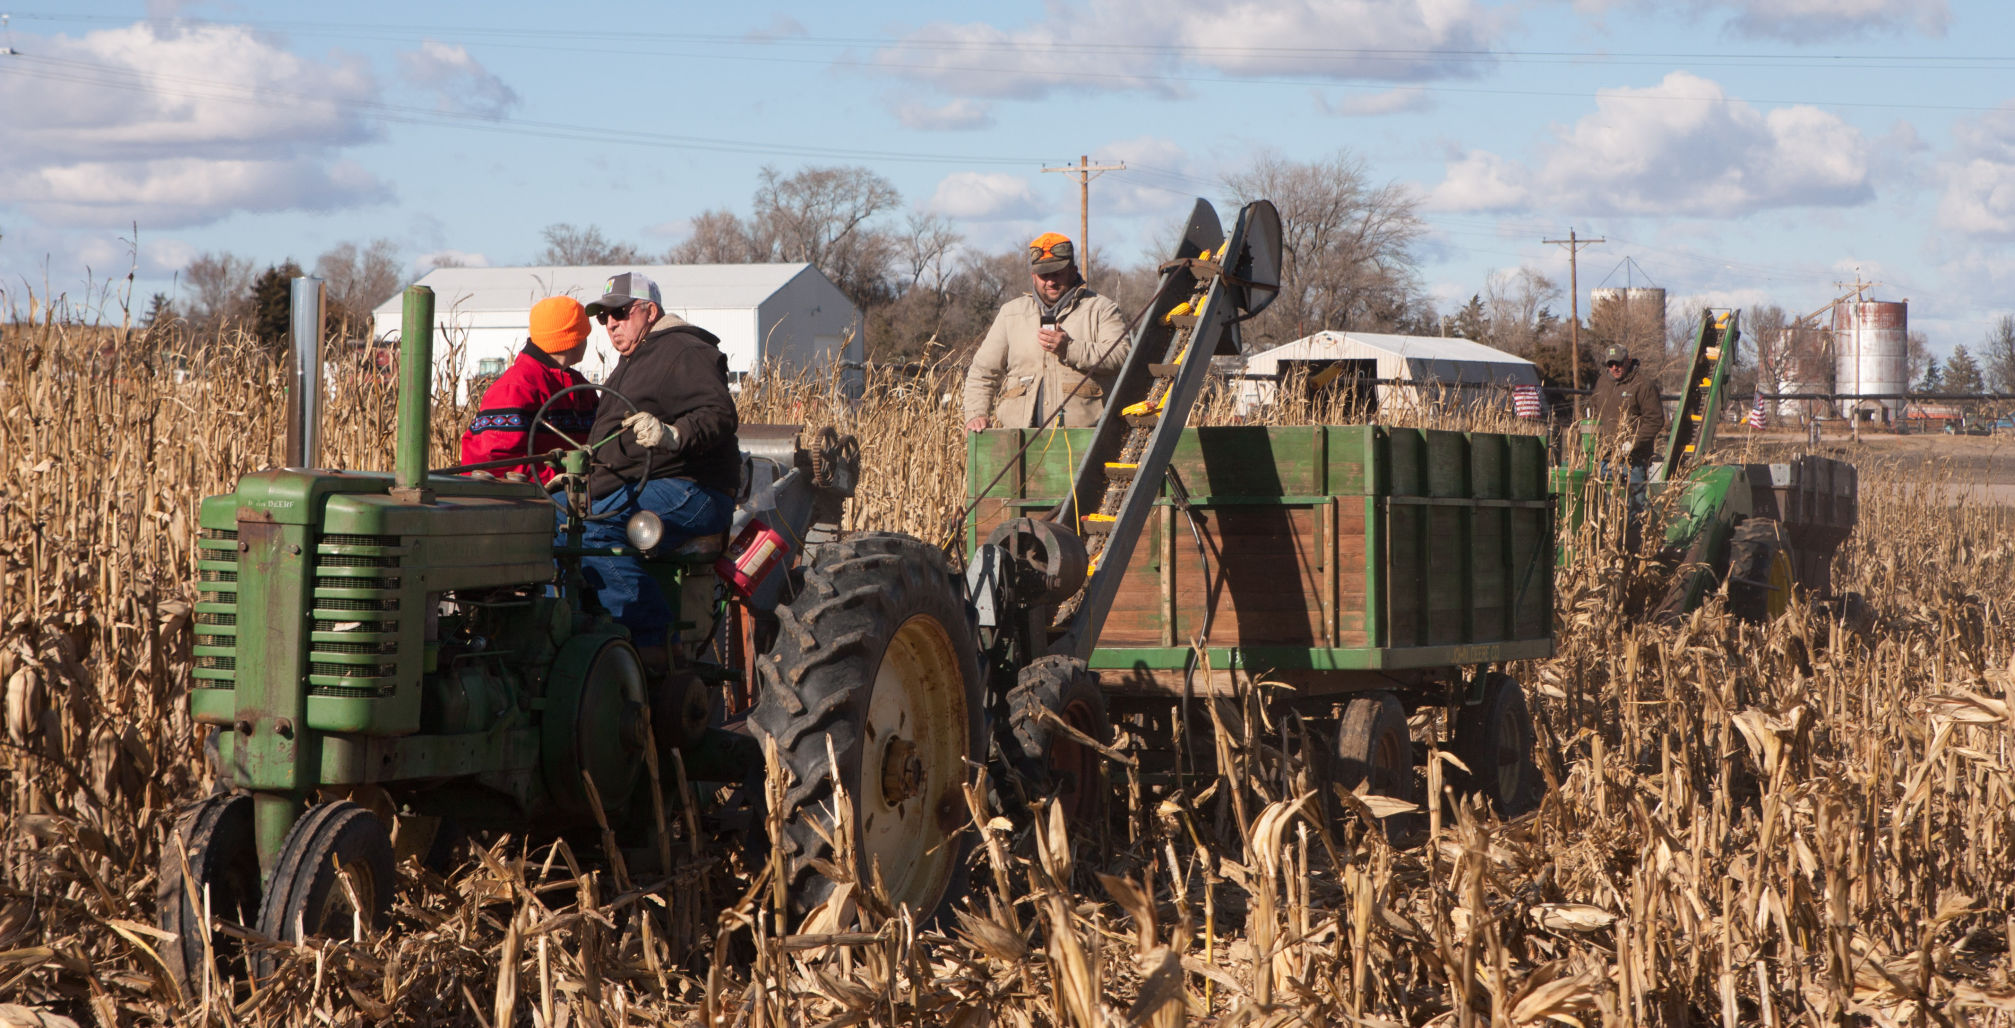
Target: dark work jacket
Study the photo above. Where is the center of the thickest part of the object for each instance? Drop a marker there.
(678, 373)
(1631, 414)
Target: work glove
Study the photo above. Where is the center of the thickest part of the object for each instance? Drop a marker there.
(651, 433)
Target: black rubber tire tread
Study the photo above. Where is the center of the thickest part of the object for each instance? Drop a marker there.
(1751, 552)
(1477, 745)
(815, 684)
(222, 854)
(306, 869)
(1366, 719)
(1055, 683)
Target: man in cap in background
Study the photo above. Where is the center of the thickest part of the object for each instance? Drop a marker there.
(1631, 417)
(684, 421)
(503, 422)
(1051, 353)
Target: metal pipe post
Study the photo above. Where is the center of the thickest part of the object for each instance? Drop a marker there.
(307, 317)
(416, 357)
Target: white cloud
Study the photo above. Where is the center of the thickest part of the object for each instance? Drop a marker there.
(984, 196)
(1681, 147)
(958, 115)
(1403, 100)
(1799, 21)
(1978, 175)
(459, 83)
(1074, 48)
(180, 128)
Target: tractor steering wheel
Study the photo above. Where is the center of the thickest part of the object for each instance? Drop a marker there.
(540, 419)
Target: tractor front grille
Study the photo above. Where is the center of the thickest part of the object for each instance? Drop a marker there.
(356, 575)
(216, 663)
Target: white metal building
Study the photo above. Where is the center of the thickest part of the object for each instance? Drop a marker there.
(1420, 369)
(787, 316)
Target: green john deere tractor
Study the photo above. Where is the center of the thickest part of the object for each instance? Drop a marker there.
(1757, 530)
(416, 648)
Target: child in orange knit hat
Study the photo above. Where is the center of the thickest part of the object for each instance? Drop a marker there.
(558, 341)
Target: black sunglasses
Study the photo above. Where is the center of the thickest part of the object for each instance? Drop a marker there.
(609, 314)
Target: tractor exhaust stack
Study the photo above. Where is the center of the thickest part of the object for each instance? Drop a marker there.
(416, 356)
(304, 408)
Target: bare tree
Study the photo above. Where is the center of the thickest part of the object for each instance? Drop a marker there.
(221, 288)
(568, 245)
(822, 215)
(1997, 355)
(718, 238)
(1347, 245)
(358, 280)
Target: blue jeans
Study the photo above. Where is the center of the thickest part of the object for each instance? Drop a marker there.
(629, 595)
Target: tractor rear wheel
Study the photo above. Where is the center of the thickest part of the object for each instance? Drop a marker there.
(1374, 745)
(334, 874)
(874, 686)
(1759, 570)
(1062, 765)
(214, 840)
(1494, 738)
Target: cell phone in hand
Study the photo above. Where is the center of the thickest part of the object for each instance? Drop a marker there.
(1048, 319)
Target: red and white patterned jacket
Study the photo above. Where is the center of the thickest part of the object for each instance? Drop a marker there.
(505, 415)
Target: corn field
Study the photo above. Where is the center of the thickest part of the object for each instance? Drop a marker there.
(1810, 821)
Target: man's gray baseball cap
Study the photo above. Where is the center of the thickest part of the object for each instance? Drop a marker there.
(625, 289)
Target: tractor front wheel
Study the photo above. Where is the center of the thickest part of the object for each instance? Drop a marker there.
(210, 858)
(874, 687)
(1049, 694)
(334, 875)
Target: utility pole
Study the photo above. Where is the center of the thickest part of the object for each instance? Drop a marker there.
(1085, 171)
(1574, 245)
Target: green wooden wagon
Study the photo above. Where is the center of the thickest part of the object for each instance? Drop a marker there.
(1375, 570)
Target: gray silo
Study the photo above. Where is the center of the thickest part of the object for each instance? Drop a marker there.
(1871, 356)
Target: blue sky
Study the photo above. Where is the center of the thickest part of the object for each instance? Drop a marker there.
(1739, 151)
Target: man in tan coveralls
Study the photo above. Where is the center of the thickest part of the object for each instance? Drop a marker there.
(1055, 348)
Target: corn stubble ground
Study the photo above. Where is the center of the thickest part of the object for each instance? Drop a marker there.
(1805, 822)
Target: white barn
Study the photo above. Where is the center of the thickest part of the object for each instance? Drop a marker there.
(787, 316)
(1418, 370)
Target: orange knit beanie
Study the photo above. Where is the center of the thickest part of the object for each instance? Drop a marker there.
(559, 324)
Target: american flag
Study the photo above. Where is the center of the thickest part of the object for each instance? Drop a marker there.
(1756, 414)
(1525, 398)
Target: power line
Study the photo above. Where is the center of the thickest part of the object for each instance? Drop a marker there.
(1085, 171)
(1574, 248)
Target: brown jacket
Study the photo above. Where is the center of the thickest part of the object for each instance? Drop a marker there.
(1011, 370)
(1630, 412)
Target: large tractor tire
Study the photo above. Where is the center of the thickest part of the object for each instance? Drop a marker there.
(1055, 762)
(1759, 570)
(876, 663)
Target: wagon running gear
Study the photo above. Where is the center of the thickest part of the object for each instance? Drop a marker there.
(652, 433)
(559, 324)
(624, 289)
(1049, 252)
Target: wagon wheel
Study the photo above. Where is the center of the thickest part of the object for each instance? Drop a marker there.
(215, 842)
(1494, 739)
(1759, 570)
(875, 658)
(1374, 745)
(334, 874)
(1054, 760)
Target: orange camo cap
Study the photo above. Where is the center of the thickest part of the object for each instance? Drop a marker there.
(559, 324)
(1049, 252)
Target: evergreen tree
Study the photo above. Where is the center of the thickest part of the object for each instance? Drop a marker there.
(160, 311)
(272, 302)
(1472, 322)
(1934, 378)
(1962, 372)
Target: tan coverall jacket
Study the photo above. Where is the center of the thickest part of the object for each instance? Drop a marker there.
(1011, 373)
